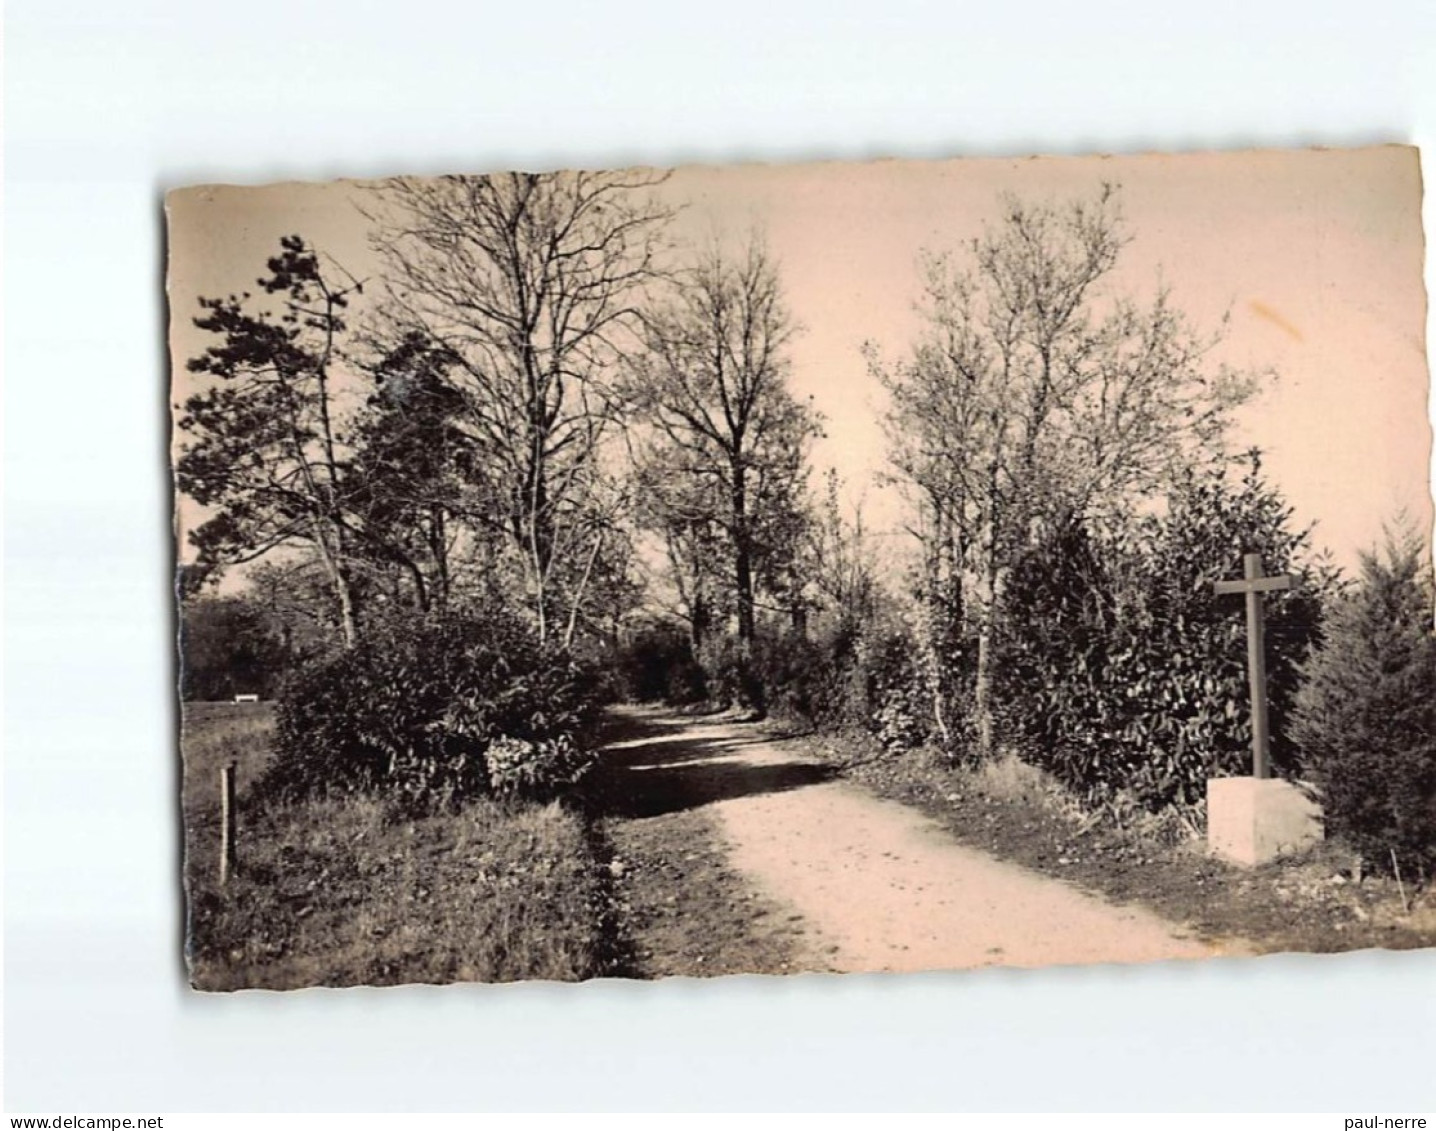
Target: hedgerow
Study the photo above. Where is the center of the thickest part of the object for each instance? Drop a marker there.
(1124, 672)
(460, 705)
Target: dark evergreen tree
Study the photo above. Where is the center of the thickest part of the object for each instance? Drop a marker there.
(263, 448)
(1366, 715)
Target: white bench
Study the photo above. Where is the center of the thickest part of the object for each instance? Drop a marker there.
(246, 698)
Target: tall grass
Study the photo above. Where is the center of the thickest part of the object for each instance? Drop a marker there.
(347, 891)
(214, 734)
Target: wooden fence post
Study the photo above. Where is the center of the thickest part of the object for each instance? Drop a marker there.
(228, 815)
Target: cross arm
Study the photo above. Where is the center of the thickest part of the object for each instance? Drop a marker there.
(1254, 585)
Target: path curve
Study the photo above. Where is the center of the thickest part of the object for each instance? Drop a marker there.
(881, 886)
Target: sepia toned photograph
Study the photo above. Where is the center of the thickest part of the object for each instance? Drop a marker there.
(820, 568)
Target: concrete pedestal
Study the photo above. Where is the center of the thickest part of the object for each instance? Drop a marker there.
(1253, 820)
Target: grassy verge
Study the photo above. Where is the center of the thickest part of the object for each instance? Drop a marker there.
(215, 734)
(1310, 903)
(345, 892)
(682, 909)
(687, 913)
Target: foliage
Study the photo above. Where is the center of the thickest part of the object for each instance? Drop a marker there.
(1123, 671)
(263, 447)
(657, 664)
(530, 284)
(722, 463)
(298, 603)
(414, 475)
(535, 769)
(229, 646)
(798, 674)
(1034, 392)
(839, 557)
(902, 720)
(413, 709)
(1366, 716)
(731, 674)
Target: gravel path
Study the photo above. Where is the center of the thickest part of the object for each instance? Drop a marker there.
(880, 886)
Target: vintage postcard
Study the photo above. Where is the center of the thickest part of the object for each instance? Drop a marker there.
(895, 566)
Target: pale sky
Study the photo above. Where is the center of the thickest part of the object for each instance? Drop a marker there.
(1316, 254)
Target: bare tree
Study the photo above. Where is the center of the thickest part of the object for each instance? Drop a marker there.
(1033, 394)
(531, 283)
(840, 559)
(728, 442)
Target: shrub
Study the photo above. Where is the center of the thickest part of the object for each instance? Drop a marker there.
(849, 687)
(657, 665)
(1124, 671)
(537, 770)
(414, 707)
(794, 672)
(229, 646)
(732, 678)
(826, 678)
(902, 703)
(1366, 715)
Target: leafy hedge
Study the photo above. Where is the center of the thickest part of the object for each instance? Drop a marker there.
(1122, 670)
(657, 665)
(461, 705)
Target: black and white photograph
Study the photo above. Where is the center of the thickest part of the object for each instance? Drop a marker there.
(669, 558)
(842, 567)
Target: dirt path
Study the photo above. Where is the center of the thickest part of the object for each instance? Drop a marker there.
(876, 885)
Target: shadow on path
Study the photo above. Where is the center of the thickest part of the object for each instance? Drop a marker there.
(653, 764)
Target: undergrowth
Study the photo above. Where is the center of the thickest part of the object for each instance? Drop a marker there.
(337, 893)
(359, 889)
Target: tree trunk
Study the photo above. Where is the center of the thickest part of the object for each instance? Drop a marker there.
(421, 588)
(540, 547)
(982, 693)
(982, 689)
(438, 547)
(753, 689)
(339, 579)
(698, 626)
(742, 561)
(746, 622)
(348, 619)
(577, 603)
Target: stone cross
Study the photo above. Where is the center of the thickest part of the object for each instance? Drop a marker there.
(1254, 584)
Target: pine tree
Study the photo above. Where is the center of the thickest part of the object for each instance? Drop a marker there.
(1366, 714)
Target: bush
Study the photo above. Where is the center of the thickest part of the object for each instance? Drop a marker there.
(1124, 671)
(1366, 715)
(795, 673)
(536, 770)
(732, 678)
(657, 665)
(413, 709)
(845, 674)
(229, 646)
(902, 716)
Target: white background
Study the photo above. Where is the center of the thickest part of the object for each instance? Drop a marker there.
(109, 104)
